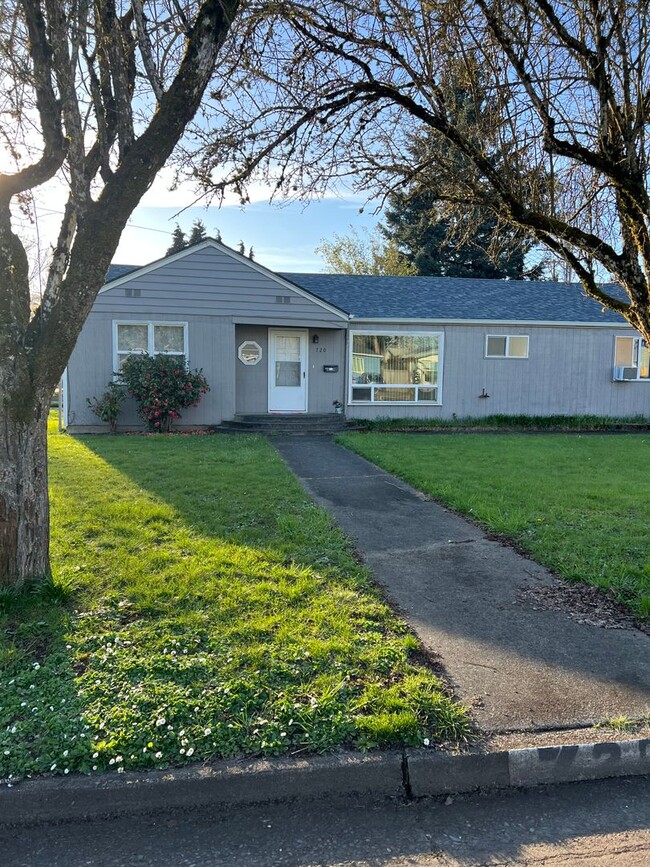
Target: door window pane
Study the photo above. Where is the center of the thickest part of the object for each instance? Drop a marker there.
(287, 361)
(287, 374)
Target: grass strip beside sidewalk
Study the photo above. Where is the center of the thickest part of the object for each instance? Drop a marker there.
(578, 504)
(202, 607)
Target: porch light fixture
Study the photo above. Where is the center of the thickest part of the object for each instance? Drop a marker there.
(315, 339)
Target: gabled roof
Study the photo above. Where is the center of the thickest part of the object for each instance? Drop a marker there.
(117, 275)
(413, 299)
(458, 298)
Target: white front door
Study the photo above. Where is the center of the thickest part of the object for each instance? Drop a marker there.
(287, 370)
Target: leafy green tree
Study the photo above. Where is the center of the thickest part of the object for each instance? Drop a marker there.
(366, 253)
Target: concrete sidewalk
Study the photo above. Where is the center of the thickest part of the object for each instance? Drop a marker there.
(518, 667)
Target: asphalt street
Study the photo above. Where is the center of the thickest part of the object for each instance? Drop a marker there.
(597, 824)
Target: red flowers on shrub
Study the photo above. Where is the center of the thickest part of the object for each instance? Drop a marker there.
(161, 388)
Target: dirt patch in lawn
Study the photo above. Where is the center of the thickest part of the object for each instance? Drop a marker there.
(582, 603)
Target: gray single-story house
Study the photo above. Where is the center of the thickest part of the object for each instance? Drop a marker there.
(380, 346)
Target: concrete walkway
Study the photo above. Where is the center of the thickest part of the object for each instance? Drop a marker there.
(519, 668)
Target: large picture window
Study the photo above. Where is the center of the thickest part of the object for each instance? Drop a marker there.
(155, 338)
(395, 368)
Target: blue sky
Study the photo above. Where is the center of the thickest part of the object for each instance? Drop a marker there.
(283, 236)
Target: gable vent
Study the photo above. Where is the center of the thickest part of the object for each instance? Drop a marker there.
(283, 299)
(132, 293)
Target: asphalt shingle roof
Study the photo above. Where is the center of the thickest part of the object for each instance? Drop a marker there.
(115, 271)
(371, 297)
(441, 298)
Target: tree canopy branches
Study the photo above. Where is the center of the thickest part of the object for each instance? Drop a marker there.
(341, 91)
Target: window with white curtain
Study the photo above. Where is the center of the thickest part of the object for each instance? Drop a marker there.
(155, 338)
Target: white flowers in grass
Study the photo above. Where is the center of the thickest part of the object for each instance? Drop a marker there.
(161, 721)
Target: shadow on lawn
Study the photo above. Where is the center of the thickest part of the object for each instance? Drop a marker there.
(233, 489)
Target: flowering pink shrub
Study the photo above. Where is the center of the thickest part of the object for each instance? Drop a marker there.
(162, 386)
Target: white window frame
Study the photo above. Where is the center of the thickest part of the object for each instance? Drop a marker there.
(507, 339)
(151, 324)
(639, 341)
(372, 386)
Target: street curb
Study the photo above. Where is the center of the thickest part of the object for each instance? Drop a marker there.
(438, 774)
(415, 773)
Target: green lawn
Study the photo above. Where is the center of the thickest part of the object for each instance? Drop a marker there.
(201, 607)
(578, 504)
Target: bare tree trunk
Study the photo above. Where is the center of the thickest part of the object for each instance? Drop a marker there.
(24, 500)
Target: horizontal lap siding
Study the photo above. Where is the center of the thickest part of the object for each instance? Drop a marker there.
(211, 347)
(568, 372)
(210, 291)
(209, 282)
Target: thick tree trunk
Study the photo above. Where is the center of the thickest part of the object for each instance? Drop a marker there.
(24, 500)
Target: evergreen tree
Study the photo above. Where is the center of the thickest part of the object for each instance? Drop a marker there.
(241, 249)
(197, 234)
(440, 239)
(179, 241)
(439, 246)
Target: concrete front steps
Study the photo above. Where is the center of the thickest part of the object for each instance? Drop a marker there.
(301, 424)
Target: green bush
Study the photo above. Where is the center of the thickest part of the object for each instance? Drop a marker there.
(108, 406)
(162, 386)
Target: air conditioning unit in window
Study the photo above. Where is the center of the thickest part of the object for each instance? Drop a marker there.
(624, 374)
